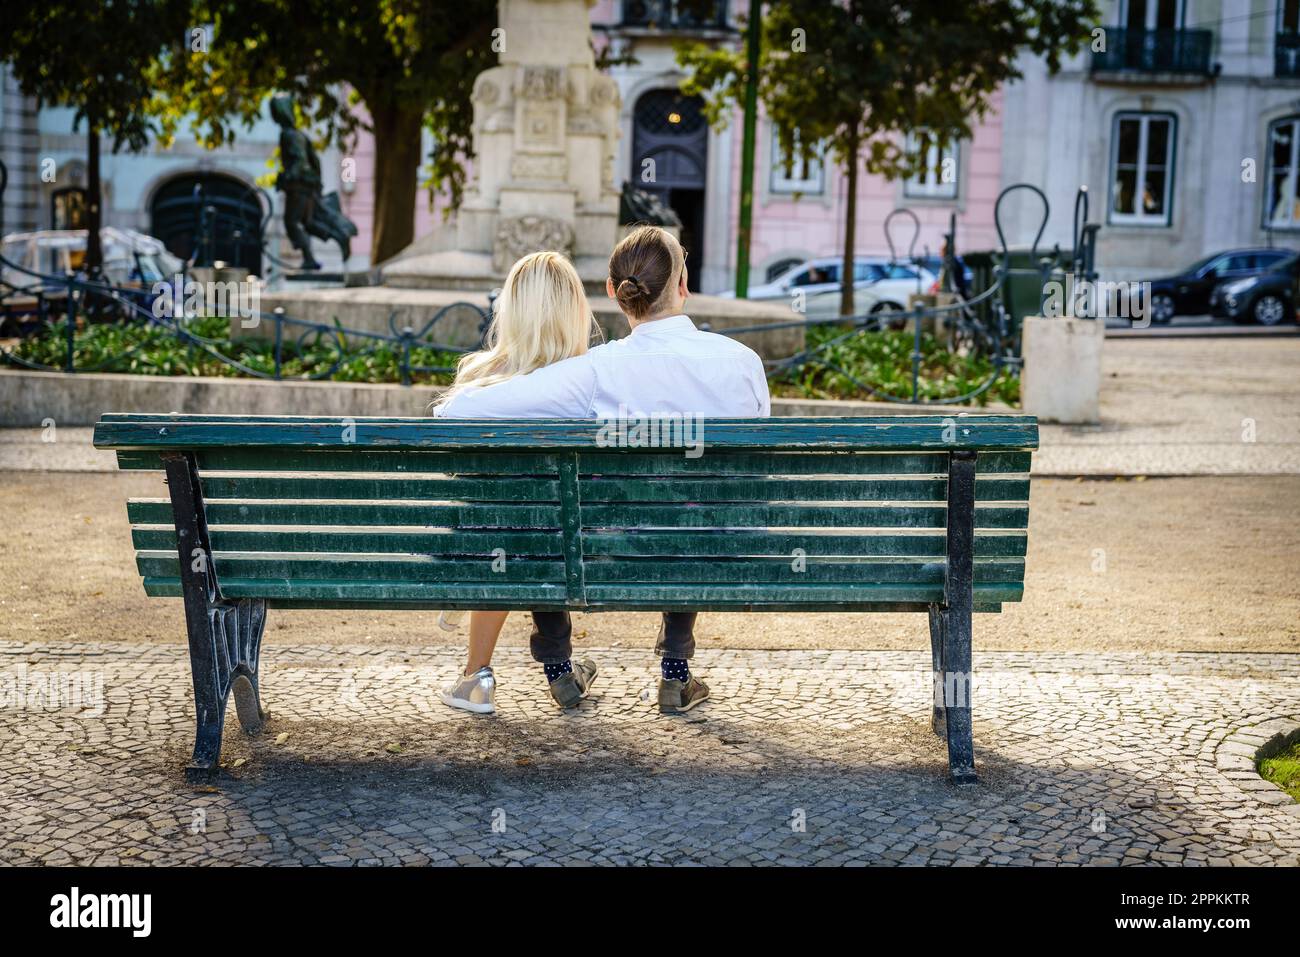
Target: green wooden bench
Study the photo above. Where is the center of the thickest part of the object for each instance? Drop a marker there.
(888, 514)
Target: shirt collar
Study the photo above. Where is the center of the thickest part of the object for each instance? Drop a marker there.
(665, 326)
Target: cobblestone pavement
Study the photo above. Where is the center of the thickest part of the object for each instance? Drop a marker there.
(802, 757)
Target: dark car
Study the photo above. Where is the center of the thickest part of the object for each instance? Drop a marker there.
(1267, 298)
(1188, 292)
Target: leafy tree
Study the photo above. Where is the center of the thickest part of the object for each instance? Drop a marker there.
(854, 76)
(407, 62)
(93, 56)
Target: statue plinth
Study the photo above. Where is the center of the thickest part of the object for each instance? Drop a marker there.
(545, 137)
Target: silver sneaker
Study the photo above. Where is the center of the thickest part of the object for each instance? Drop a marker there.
(476, 692)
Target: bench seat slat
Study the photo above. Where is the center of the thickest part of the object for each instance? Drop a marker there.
(739, 464)
(341, 539)
(726, 544)
(357, 460)
(249, 566)
(522, 595)
(761, 515)
(894, 432)
(591, 462)
(596, 517)
(161, 564)
(528, 595)
(756, 570)
(445, 489)
(919, 489)
(385, 514)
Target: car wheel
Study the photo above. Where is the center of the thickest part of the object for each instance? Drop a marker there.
(1269, 309)
(886, 307)
(1163, 309)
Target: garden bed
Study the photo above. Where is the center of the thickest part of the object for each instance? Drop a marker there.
(881, 359)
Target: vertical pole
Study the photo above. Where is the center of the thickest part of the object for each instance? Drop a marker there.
(916, 357)
(747, 150)
(94, 217)
(72, 330)
(278, 312)
(959, 594)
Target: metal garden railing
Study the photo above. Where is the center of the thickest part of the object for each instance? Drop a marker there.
(977, 325)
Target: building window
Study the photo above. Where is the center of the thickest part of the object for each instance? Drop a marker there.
(68, 208)
(1286, 45)
(938, 176)
(1153, 14)
(1142, 161)
(794, 174)
(1282, 203)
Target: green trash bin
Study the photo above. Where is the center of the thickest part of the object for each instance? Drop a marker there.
(1023, 295)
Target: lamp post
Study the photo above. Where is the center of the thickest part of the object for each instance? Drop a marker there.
(747, 151)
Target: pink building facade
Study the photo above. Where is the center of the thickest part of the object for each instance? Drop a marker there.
(798, 213)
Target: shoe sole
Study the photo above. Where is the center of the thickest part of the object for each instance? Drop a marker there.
(463, 705)
(664, 709)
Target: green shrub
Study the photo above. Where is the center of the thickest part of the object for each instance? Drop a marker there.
(883, 360)
(146, 349)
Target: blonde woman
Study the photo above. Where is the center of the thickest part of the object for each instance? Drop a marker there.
(541, 318)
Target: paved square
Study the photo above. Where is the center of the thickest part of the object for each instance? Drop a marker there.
(820, 757)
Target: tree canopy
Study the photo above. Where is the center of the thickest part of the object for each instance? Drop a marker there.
(852, 77)
(407, 62)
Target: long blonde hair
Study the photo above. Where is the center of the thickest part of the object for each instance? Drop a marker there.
(541, 316)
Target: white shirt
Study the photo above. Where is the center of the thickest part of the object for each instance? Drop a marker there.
(663, 366)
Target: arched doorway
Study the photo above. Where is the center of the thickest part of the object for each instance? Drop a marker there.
(211, 217)
(670, 150)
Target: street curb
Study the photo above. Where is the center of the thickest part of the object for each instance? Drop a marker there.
(1238, 757)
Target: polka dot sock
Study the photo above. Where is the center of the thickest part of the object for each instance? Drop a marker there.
(559, 670)
(675, 669)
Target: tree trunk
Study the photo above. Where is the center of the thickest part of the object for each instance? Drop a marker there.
(850, 227)
(397, 166)
(94, 262)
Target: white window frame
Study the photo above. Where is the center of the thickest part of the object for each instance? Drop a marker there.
(1280, 27)
(1145, 118)
(1292, 222)
(1153, 13)
(812, 183)
(930, 185)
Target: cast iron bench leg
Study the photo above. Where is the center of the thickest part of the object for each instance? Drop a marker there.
(225, 637)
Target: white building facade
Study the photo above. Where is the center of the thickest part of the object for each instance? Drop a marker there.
(1182, 119)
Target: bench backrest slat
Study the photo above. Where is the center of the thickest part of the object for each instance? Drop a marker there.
(846, 513)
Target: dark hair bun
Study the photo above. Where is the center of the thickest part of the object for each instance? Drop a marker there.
(632, 290)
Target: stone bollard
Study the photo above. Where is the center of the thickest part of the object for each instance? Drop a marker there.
(1060, 380)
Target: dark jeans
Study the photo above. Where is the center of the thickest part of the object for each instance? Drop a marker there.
(552, 638)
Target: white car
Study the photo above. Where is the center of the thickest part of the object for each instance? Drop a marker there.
(878, 285)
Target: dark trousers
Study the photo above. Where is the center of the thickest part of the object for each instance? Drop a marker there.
(552, 637)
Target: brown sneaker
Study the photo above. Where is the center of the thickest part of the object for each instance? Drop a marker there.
(568, 690)
(677, 697)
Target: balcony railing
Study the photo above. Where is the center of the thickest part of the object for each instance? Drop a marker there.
(675, 14)
(1154, 51)
(1286, 55)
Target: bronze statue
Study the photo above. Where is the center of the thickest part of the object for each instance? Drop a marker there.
(642, 207)
(306, 212)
